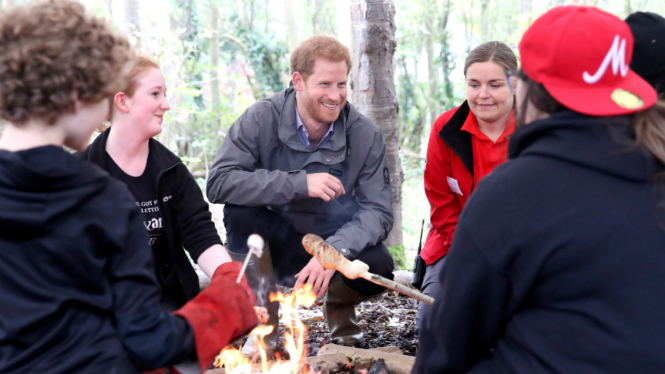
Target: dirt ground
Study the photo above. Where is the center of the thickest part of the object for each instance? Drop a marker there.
(389, 320)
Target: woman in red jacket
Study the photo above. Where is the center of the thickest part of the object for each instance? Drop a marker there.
(466, 143)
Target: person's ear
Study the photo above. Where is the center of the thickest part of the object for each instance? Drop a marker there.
(120, 102)
(298, 81)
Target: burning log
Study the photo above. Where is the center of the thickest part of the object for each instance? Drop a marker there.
(391, 349)
(379, 367)
(395, 363)
(334, 359)
(234, 361)
(324, 364)
(331, 259)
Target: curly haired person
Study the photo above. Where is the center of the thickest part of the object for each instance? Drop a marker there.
(78, 292)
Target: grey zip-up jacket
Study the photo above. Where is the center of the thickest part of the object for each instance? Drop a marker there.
(263, 162)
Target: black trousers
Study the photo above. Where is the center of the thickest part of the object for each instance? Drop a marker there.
(288, 254)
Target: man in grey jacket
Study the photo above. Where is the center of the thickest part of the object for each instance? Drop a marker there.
(306, 161)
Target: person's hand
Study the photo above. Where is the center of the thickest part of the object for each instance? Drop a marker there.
(231, 270)
(313, 273)
(324, 186)
(219, 314)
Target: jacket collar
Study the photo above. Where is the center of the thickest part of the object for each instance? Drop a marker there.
(459, 141)
(471, 126)
(285, 103)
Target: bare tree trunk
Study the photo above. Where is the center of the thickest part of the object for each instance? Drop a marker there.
(526, 8)
(133, 20)
(250, 19)
(373, 25)
(446, 59)
(266, 6)
(318, 7)
(291, 25)
(484, 20)
(467, 18)
(213, 52)
(432, 71)
(241, 12)
(627, 8)
(344, 30)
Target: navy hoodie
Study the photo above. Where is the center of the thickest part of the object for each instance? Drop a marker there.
(77, 287)
(558, 261)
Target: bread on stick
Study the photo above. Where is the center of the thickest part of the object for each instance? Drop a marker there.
(330, 258)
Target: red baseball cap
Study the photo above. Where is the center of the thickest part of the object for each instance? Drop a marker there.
(581, 55)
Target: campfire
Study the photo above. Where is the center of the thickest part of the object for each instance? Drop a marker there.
(235, 362)
(331, 358)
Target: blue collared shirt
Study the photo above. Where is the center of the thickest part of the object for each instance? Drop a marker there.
(304, 134)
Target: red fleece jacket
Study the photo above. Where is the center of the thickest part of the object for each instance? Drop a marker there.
(448, 180)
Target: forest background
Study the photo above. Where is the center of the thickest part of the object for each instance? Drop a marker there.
(220, 56)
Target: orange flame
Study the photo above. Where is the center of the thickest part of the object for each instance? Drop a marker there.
(235, 362)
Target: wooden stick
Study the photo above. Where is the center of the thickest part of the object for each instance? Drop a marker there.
(244, 266)
(329, 258)
(398, 287)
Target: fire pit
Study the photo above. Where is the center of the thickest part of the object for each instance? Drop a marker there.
(388, 321)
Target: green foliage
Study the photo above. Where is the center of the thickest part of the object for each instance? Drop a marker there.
(424, 66)
(447, 97)
(266, 55)
(399, 256)
(415, 208)
(253, 63)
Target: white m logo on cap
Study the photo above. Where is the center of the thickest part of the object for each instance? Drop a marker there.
(616, 55)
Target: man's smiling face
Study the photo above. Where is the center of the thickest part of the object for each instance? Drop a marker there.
(323, 92)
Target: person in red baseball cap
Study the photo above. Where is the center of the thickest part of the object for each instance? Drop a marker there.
(557, 261)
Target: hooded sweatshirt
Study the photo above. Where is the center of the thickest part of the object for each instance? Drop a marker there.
(77, 287)
(557, 262)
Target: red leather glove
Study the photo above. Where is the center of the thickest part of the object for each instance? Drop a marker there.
(231, 271)
(221, 313)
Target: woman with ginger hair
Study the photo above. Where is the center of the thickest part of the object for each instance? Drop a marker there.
(77, 287)
(175, 213)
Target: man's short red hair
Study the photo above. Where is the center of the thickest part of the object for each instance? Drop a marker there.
(304, 57)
